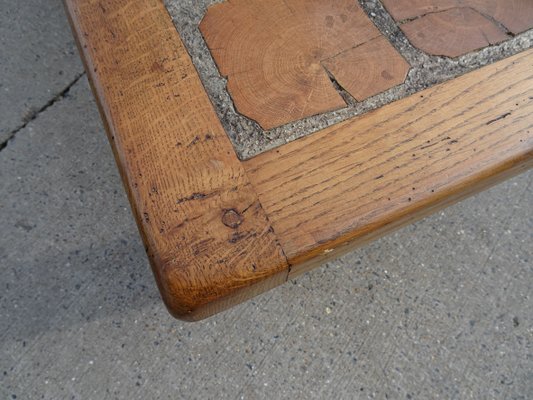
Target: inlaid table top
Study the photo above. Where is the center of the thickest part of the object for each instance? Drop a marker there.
(310, 64)
(259, 138)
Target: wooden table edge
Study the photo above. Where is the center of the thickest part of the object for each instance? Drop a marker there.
(403, 161)
(229, 249)
(207, 237)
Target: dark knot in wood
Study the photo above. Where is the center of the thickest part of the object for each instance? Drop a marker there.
(232, 219)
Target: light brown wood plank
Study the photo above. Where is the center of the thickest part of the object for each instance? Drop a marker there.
(207, 237)
(355, 181)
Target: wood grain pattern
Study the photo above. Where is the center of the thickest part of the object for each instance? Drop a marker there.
(357, 180)
(455, 27)
(206, 234)
(276, 54)
(368, 69)
(209, 232)
(453, 32)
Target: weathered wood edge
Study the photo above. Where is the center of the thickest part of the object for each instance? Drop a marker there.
(349, 184)
(207, 237)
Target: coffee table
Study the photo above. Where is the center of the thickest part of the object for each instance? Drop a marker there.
(219, 230)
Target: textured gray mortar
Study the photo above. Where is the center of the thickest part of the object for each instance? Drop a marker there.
(247, 136)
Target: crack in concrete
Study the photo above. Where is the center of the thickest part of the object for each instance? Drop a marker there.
(35, 114)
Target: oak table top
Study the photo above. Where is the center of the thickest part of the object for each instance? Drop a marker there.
(219, 230)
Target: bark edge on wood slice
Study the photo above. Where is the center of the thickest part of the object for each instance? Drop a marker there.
(453, 28)
(278, 56)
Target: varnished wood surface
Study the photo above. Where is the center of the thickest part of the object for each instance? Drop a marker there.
(355, 181)
(206, 234)
(208, 220)
(279, 55)
(456, 27)
(368, 69)
(515, 15)
(453, 32)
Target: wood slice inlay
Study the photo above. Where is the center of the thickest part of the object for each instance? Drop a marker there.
(453, 28)
(280, 56)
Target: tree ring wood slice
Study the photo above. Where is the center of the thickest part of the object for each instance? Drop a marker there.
(368, 69)
(273, 53)
(453, 28)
